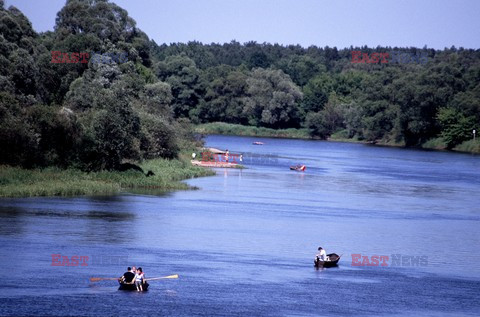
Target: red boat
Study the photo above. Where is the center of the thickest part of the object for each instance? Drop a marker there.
(299, 168)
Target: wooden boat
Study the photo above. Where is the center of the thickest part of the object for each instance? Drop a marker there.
(131, 287)
(258, 143)
(332, 262)
(299, 168)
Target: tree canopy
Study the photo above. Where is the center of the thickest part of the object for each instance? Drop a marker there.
(95, 115)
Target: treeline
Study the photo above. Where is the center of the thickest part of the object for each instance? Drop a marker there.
(95, 115)
(88, 115)
(277, 86)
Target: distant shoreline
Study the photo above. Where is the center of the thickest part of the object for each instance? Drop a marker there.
(221, 128)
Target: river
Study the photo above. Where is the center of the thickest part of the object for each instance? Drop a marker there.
(244, 242)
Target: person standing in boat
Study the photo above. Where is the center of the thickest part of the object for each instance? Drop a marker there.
(226, 155)
(321, 255)
(139, 279)
(128, 277)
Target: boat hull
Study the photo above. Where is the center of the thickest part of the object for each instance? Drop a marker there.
(131, 287)
(299, 168)
(334, 258)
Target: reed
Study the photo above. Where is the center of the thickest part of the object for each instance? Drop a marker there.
(18, 182)
(242, 130)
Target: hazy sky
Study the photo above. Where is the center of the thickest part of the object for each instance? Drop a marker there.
(435, 23)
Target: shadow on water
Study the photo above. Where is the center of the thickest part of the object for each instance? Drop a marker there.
(10, 218)
(94, 219)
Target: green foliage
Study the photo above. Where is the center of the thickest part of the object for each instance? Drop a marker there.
(435, 144)
(470, 146)
(316, 93)
(95, 116)
(272, 99)
(317, 125)
(181, 73)
(158, 138)
(456, 128)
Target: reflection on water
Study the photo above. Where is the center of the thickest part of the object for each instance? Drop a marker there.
(243, 244)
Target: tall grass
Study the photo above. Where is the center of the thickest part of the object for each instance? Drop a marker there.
(469, 146)
(435, 144)
(18, 182)
(242, 130)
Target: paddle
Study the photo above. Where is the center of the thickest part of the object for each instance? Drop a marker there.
(163, 277)
(96, 279)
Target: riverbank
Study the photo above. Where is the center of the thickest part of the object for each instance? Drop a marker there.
(19, 182)
(241, 130)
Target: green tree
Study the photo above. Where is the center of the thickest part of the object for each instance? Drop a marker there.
(456, 127)
(272, 99)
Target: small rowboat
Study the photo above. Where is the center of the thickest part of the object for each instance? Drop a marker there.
(131, 287)
(332, 262)
(299, 168)
(258, 143)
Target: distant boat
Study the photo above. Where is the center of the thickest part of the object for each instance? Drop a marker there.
(258, 143)
(300, 168)
(332, 262)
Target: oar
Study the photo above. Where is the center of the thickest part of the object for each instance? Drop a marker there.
(96, 279)
(159, 278)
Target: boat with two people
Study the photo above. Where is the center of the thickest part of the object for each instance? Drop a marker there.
(133, 280)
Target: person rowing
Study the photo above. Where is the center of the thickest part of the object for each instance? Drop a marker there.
(321, 255)
(128, 277)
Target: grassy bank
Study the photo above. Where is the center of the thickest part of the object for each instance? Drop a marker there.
(242, 130)
(18, 182)
(469, 146)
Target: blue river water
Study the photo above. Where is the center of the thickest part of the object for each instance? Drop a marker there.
(243, 243)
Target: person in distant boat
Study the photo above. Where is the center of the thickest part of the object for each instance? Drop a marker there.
(321, 255)
(128, 277)
(139, 279)
(226, 155)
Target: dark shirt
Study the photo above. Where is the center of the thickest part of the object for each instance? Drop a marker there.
(129, 276)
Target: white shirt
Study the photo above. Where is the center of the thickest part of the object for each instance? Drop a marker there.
(322, 255)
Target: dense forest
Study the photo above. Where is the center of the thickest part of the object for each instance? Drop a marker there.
(95, 114)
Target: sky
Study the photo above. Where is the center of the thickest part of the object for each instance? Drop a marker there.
(402, 23)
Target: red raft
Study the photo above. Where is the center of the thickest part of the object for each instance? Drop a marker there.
(299, 168)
